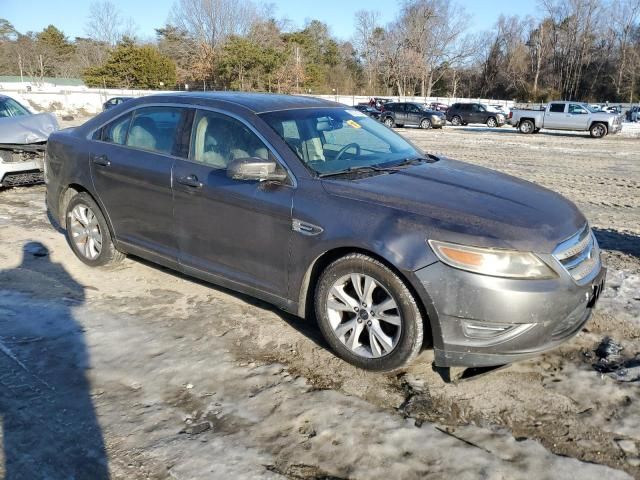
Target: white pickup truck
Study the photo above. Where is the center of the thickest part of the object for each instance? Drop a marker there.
(566, 116)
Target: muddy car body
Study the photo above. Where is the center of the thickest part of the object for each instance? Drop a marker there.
(23, 137)
(314, 207)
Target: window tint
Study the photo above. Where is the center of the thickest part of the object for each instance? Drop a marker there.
(154, 128)
(557, 107)
(573, 108)
(465, 107)
(218, 139)
(116, 131)
(412, 108)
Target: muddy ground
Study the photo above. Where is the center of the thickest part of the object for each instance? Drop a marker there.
(138, 372)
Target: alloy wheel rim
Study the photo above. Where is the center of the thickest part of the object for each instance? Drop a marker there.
(599, 131)
(364, 316)
(425, 124)
(455, 121)
(85, 231)
(526, 127)
(388, 122)
(492, 122)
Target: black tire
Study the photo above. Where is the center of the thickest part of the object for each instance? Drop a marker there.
(425, 123)
(536, 130)
(598, 130)
(492, 122)
(409, 337)
(388, 122)
(456, 121)
(107, 254)
(526, 126)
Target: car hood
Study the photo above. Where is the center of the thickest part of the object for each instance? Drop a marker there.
(463, 203)
(27, 129)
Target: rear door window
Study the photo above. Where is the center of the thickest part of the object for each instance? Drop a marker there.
(155, 129)
(557, 108)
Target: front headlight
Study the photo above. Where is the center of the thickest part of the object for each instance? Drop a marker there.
(490, 261)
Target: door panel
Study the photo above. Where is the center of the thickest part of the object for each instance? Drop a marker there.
(414, 115)
(555, 116)
(134, 185)
(232, 228)
(576, 118)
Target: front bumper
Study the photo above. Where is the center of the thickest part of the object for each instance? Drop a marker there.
(437, 121)
(486, 321)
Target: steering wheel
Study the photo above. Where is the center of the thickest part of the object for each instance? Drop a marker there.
(344, 149)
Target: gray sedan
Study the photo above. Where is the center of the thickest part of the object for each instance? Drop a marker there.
(327, 214)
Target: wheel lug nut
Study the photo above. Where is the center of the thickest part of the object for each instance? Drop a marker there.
(359, 320)
(369, 323)
(364, 305)
(356, 309)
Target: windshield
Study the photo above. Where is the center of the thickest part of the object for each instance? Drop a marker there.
(10, 108)
(334, 140)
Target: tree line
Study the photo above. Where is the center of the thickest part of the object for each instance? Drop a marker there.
(573, 49)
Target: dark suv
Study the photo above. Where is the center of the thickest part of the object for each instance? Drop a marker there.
(326, 213)
(465, 113)
(399, 114)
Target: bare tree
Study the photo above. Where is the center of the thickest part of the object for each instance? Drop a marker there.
(366, 41)
(213, 21)
(107, 25)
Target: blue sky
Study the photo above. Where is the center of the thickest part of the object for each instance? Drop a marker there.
(71, 15)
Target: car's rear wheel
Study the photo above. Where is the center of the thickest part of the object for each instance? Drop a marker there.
(598, 130)
(87, 232)
(388, 122)
(456, 121)
(367, 314)
(492, 122)
(526, 126)
(425, 123)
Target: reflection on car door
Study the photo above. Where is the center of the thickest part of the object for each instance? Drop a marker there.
(400, 113)
(414, 114)
(577, 117)
(555, 116)
(131, 160)
(236, 229)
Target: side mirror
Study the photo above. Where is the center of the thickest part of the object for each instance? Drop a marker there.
(256, 169)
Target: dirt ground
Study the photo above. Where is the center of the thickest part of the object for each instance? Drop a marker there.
(138, 372)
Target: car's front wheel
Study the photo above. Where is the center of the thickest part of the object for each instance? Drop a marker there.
(456, 121)
(87, 232)
(388, 122)
(367, 314)
(425, 123)
(492, 122)
(598, 130)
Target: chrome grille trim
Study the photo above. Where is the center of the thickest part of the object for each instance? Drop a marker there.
(579, 255)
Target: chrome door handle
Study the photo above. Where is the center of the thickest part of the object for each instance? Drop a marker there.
(190, 181)
(101, 160)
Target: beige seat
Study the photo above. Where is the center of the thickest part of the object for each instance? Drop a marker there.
(206, 145)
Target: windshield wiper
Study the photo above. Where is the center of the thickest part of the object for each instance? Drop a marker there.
(362, 168)
(415, 161)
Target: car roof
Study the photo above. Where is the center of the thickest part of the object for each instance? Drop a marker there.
(258, 102)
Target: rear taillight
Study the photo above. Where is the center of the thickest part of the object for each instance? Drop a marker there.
(510, 115)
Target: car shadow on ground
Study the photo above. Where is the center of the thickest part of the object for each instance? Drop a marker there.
(619, 241)
(48, 421)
